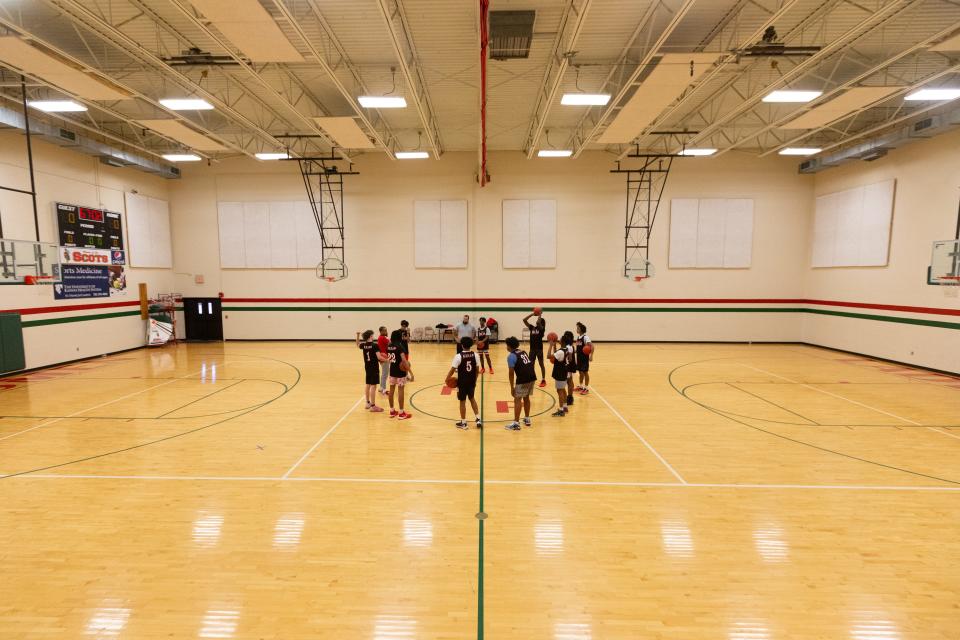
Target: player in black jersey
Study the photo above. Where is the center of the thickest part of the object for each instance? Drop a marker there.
(405, 328)
(522, 378)
(571, 360)
(371, 368)
(483, 345)
(399, 367)
(537, 332)
(559, 355)
(584, 356)
(465, 364)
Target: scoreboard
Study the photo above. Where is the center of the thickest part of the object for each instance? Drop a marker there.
(88, 228)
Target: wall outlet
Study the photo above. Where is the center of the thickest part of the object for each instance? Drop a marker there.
(198, 279)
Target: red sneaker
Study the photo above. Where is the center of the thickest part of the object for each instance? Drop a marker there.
(584, 391)
(482, 370)
(404, 416)
(393, 413)
(542, 384)
(376, 409)
(491, 370)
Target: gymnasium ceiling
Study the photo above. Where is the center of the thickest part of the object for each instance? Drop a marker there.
(428, 51)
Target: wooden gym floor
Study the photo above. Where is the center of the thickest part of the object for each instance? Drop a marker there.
(240, 490)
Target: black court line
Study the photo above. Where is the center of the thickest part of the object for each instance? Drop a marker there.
(173, 436)
(783, 437)
(771, 402)
(553, 403)
(209, 395)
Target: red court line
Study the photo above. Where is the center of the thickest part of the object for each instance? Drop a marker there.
(503, 406)
(445, 390)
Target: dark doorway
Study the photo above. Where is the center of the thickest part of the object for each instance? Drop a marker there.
(203, 318)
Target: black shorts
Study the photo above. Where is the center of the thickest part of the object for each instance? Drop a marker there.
(465, 392)
(536, 352)
(373, 376)
(583, 365)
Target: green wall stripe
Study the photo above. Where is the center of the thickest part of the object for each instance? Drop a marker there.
(101, 316)
(824, 312)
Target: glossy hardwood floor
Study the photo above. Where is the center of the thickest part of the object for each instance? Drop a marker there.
(240, 490)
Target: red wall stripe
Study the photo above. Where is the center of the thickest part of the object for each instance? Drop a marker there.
(74, 307)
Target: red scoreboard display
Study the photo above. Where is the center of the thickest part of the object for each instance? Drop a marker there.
(89, 228)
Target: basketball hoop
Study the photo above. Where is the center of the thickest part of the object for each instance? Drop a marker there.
(331, 270)
(639, 278)
(952, 280)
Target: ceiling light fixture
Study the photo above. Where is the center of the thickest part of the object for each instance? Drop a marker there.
(57, 106)
(186, 104)
(585, 99)
(411, 155)
(789, 95)
(272, 156)
(698, 152)
(800, 151)
(554, 153)
(181, 157)
(382, 102)
(932, 95)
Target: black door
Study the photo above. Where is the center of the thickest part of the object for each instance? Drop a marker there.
(204, 319)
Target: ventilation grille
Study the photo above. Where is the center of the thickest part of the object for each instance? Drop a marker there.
(511, 33)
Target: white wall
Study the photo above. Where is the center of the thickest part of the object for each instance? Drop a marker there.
(925, 210)
(591, 209)
(68, 176)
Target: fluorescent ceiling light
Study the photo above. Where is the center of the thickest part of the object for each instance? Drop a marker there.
(250, 28)
(50, 68)
(412, 155)
(345, 132)
(186, 104)
(181, 157)
(554, 153)
(800, 151)
(271, 156)
(934, 94)
(56, 106)
(788, 95)
(180, 132)
(668, 80)
(698, 152)
(590, 99)
(848, 102)
(382, 102)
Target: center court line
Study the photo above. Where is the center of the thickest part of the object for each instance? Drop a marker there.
(129, 395)
(534, 483)
(865, 406)
(640, 437)
(322, 438)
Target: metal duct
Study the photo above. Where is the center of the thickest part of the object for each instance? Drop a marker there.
(876, 148)
(72, 140)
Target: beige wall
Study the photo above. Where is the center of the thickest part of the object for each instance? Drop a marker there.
(68, 176)
(925, 209)
(590, 200)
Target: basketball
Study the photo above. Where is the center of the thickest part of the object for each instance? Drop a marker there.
(404, 366)
(481, 345)
(452, 382)
(537, 311)
(587, 349)
(552, 336)
(553, 359)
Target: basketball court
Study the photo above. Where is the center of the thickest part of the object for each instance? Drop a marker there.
(253, 254)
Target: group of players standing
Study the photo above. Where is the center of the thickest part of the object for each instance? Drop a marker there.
(388, 360)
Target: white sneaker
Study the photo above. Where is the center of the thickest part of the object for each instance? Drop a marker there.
(527, 423)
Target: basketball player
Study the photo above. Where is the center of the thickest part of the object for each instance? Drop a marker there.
(583, 360)
(571, 362)
(382, 342)
(522, 378)
(465, 365)
(371, 367)
(398, 377)
(483, 345)
(536, 343)
(405, 328)
(559, 373)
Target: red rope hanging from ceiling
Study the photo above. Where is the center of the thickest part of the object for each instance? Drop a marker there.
(484, 41)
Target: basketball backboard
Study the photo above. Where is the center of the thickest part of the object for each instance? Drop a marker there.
(945, 263)
(25, 260)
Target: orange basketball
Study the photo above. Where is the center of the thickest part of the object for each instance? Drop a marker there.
(537, 311)
(552, 336)
(553, 359)
(404, 366)
(481, 345)
(452, 382)
(587, 349)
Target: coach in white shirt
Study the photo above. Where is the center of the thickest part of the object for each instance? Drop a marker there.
(465, 330)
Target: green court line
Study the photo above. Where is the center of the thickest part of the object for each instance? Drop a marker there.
(481, 516)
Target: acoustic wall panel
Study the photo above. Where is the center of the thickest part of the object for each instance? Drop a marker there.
(440, 234)
(852, 227)
(711, 233)
(148, 232)
(268, 235)
(529, 234)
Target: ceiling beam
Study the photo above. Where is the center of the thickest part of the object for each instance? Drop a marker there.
(571, 24)
(583, 139)
(403, 46)
(861, 28)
